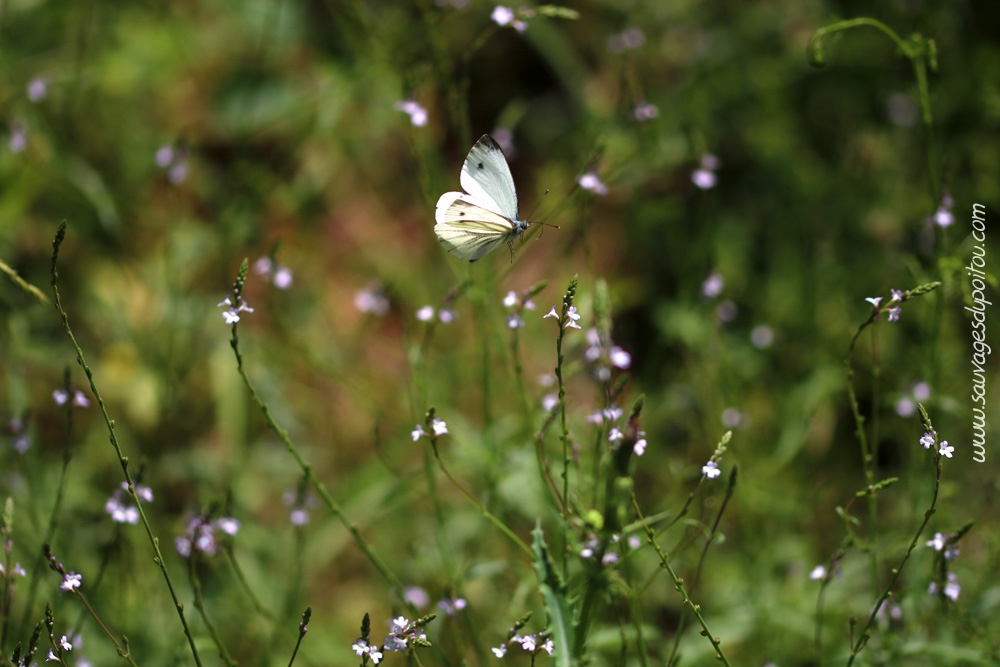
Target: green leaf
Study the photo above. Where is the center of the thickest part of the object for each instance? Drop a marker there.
(557, 604)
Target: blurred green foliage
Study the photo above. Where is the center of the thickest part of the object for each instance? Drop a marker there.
(283, 141)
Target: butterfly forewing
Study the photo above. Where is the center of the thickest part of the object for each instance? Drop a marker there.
(486, 176)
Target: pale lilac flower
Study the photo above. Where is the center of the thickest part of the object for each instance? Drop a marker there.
(228, 525)
(529, 643)
(897, 295)
(639, 448)
(164, 156)
(504, 16)
(704, 179)
(938, 542)
(711, 470)
(18, 137)
(727, 311)
(121, 506)
(71, 581)
(731, 417)
(283, 278)
(922, 391)
(418, 114)
(589, 548)
(38, 88)
(951, 552)
(928, 439)
(549, 401)
(946, 450)
(646, 111)
(62, 396)
(873, 300)
(906, 407)
(572, 317)
(500, 651)
(551, 313)
(416, 596)
(425, 314)
(952, 589)
(65, 644)
(615, 435)
(17, 569)
(894, 313)
(590, 181)
(440, 428)
(713, 285)
(231, 314)
(762, 336)
(510, 300)
(901, 109)
(371, 300)
(549, 646)
(362, 648)
(298, 516)
(447, 315)
(630, 38)
(514, 321)
(451, 605)
(943, 217)
(634, 542)
(177, 173)
(402, 633)
(417, 433)
(818, 572)
(263, 266)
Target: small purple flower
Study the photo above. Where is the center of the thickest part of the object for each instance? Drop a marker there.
(646, 111)
(590, 181)
(231, 314)
(372, 300)
(711, 470)
(38, 88)
(873, 300)
(418, 114)
(71, 581)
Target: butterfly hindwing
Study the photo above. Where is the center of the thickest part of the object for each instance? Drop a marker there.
(467, 228)
(486, 176)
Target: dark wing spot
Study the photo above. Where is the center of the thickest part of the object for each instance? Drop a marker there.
(479, 166)
(461, 214)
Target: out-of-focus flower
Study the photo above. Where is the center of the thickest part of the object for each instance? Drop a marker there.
(590, 181)
(372, 300)
(38, 88)
(418, 114)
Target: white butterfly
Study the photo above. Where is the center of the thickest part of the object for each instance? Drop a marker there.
(470, 225)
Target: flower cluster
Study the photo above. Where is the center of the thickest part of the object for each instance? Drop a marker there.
(71, 581)
(438, 428)
(505, 16)
(603, 355)
(372, 300)
(200, 535)
(17, 428)
(232, 312)
(930, 438)
(898, 297)
(121, 506)
(646, 111)
(281, 276)
(711, 469)
(943, 217)
(451, 605)
(951, 587)
(174, 161)
(941, 543)
(64, 396)
(704, 176)
(418, 114)
(446, 315)
(516, 305)
(572, 317)
(529, 643)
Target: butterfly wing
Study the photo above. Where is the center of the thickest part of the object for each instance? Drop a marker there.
(486, 176)
(467, 228)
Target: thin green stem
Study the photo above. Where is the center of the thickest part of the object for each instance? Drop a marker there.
(122, 459)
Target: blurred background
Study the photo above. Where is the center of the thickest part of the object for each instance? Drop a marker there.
(746, 204)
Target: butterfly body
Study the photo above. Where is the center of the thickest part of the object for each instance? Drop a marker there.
(472, 223)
